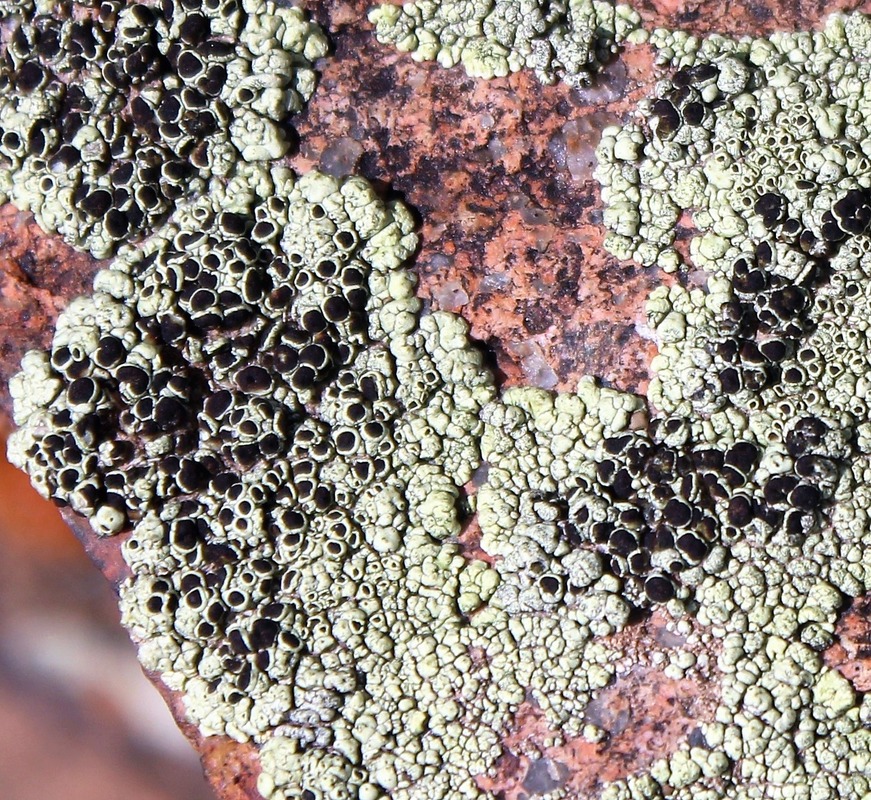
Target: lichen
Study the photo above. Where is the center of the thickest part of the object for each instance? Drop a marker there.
(256, 401)
(566, 41)
(110, 115)
(762, 141)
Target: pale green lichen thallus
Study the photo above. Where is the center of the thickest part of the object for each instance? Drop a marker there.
(255, 400)
(113, 112)
(566, 41)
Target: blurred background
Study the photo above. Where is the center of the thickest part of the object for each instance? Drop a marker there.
(78, 719)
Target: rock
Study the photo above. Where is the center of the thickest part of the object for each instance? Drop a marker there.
(501, 175)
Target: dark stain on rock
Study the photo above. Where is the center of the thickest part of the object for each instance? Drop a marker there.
(536, 318)
(381, 82)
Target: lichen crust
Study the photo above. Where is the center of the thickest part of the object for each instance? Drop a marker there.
(566, 41)
(112, 113)
(256, 401)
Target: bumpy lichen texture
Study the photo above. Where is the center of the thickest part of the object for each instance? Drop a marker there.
(764, 141)
(743, 500)
(566, 41)
(255, 398)
(112, 112)
(252, 392)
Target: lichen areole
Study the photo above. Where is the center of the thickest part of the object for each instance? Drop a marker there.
(493, 38)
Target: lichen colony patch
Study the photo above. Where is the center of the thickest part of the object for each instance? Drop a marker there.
(254, 399)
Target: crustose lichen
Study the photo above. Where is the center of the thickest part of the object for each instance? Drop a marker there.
(111, 113)
(253, 398)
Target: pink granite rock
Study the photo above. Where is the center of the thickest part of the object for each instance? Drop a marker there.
(500, 174)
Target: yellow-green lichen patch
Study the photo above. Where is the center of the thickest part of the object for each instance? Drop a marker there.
(760, 139)
(111, 115)
(255, 398)
(764, 142)
(493, 38)
(253, 394)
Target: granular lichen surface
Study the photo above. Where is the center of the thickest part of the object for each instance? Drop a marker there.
(288, 442)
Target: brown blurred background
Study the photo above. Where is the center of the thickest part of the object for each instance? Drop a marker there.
(78, 719)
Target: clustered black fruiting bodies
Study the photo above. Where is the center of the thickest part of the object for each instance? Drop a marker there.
(682, 105)
(216, 382)
(762, 341)
(228, 600)
(762, 346)
(111, 112)
(758, 333)
(220, 395)
(662, 513)
(849, 215)
(660, 501)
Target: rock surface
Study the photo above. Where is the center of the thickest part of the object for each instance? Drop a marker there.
(501, 176)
